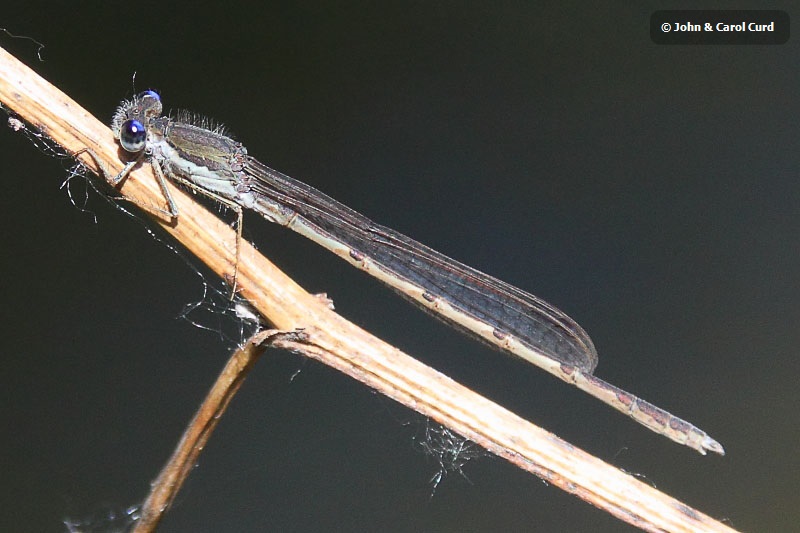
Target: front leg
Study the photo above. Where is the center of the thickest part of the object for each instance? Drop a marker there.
(171, 211)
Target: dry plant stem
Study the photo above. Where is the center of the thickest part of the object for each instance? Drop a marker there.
(166, 486)
(342, 345)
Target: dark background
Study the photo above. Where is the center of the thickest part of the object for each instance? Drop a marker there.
(649, 191)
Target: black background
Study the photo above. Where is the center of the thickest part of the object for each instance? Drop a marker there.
(650, 191)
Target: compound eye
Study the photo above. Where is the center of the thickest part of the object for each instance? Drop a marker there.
(132, 136)
(150, 94)
(150, 104)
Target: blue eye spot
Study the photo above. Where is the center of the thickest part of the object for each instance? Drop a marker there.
(150, 94)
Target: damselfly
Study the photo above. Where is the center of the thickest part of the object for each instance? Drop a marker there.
(209, 162)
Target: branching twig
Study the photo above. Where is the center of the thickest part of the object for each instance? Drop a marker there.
(169, 481)
(342, 345)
